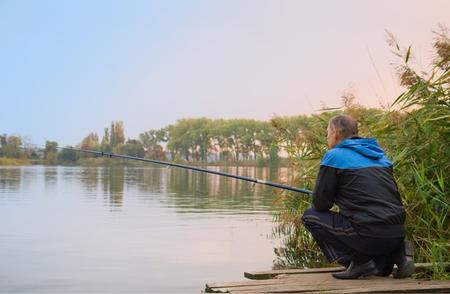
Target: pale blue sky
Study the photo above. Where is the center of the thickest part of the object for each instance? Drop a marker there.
(71, 67)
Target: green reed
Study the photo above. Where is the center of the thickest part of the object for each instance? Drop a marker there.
(415, 133)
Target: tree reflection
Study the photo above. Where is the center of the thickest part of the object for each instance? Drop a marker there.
(113, 185)
(193, 191)
(50, 175)
(187, 191)
(10, 178)
(89, 178)
(147, 180)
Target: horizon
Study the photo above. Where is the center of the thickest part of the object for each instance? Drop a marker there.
(73, 68)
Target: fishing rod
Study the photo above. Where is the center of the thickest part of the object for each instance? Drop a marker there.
(189, 167)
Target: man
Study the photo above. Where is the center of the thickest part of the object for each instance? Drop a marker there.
(367, 235)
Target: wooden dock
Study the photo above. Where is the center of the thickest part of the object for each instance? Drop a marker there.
(320, 281)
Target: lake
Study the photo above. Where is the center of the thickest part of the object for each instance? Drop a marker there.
(131, 229)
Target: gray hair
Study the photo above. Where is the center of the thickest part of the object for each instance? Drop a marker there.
(344, 125)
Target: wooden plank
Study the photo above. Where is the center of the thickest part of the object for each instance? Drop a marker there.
(324, 282)
(385, 287)
(304, 282)
(427, 287)
(381, 285)
(405, 289)
(263, 275)
(234, 284)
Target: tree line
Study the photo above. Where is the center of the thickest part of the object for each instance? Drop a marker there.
(189, 139)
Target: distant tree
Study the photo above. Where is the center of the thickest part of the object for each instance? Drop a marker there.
(132, 148)
(268, 146)
(68, 155)
(50, 146)
(51, 151)
(117, 135)
(150, 141)
(190, 138)
(180, 139)
(201, 138)
(106, 143)
(3, 139)
(12, 148)
(222, 141)
(90, 142)
(28, 149)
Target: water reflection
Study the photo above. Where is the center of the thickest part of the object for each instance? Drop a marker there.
(112, 179)
(147, 180)
(50, 175)
(89, 177)
(10, 178)
(188, 191)
(202, 192)
(118, 229)
(212, 192)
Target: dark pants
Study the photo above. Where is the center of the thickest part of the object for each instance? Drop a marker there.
(339, 241)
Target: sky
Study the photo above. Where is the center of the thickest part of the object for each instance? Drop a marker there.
(68, 68)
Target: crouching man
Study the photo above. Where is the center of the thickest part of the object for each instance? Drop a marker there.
(367, 235)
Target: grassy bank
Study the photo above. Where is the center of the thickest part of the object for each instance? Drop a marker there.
(14, 161)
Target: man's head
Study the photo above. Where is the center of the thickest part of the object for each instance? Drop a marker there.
(339, 128)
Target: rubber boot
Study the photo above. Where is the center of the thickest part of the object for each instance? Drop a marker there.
(404, 260)
(355, 271)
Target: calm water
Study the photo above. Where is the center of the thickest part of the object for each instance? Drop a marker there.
(129, 230)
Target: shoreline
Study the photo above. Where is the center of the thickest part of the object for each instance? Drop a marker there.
(4, 161)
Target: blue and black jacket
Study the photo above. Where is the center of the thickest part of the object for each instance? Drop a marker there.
(357, 177)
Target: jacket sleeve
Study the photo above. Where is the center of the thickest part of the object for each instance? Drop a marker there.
(325, 188)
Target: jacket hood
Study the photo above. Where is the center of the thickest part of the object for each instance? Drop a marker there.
(365, 146)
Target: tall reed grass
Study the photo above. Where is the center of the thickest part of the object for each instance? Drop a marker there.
(415, 133)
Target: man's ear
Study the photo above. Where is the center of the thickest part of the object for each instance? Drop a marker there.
(337, 138)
